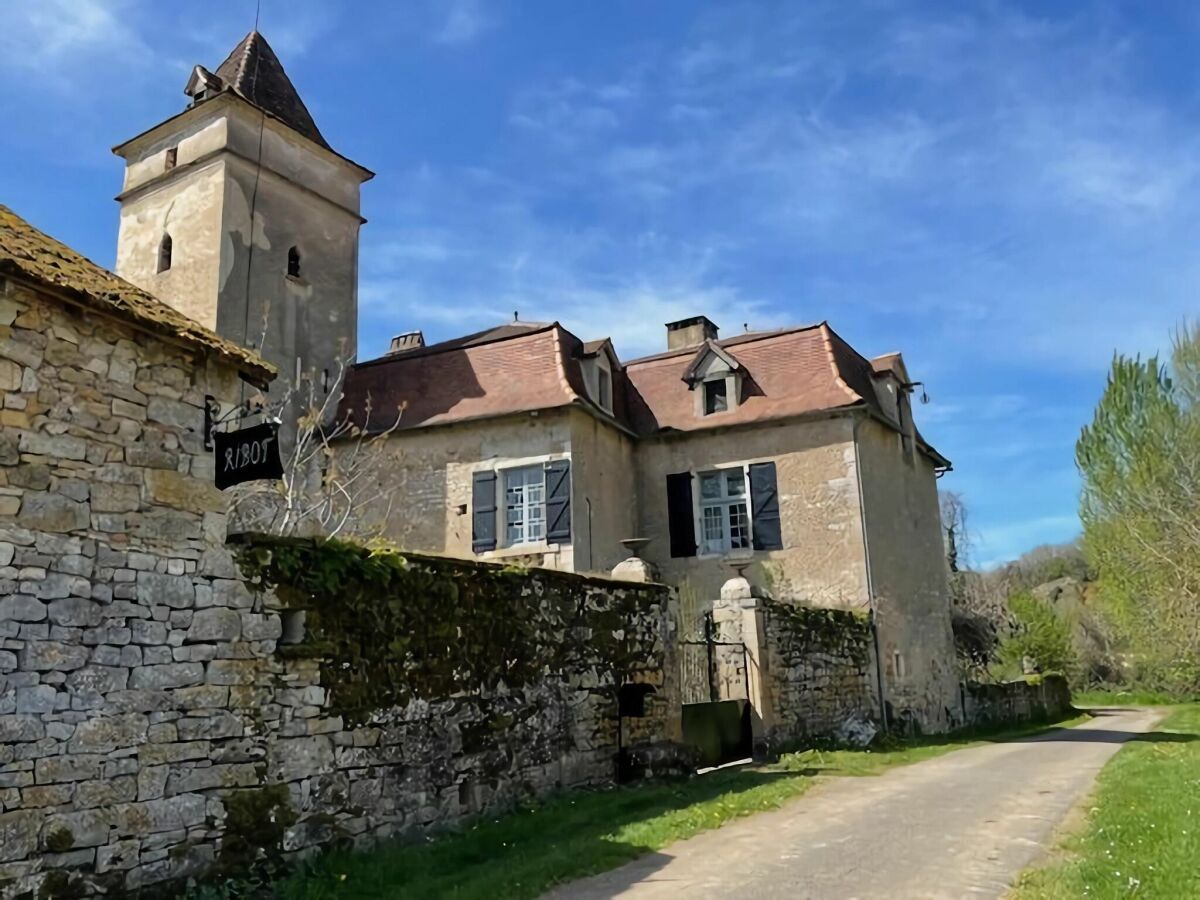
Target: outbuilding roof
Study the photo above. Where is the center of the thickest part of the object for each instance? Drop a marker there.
(28, 252)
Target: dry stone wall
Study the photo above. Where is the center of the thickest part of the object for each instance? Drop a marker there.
(1042, 699)
(820, 671)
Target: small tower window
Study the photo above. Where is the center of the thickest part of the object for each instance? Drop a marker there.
(172, 158)
(164, 253)
(293, 268)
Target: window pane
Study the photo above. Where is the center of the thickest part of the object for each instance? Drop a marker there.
(524, 505)
(739, 526)
(714, 396)
(710, 486)
(735, 482)
(713, 529)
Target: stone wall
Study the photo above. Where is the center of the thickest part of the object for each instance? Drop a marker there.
(112, 581)
(1044, 699)
(820, 671)
(810, 669)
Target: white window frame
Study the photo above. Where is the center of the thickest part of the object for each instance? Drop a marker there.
(528, 521)
(725, 502)
(605, 403)
(732, 387)
(498, 467)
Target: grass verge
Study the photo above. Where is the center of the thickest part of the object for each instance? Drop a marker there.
(527, 852)
(1124, 698)
(1142, 835)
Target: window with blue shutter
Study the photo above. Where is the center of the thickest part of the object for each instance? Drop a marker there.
(764, 502)
(558, 501)
(483, 512)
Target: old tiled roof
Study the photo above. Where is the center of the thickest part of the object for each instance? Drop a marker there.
(27, 252)
(255, 72)
(519, 367)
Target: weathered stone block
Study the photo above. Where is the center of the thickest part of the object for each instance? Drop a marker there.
(88, 828)
(169, 675)
(187, 492)
(75, 612)
(22, 608)
(45, 511)
(154, 816)
(59, 446)
(19, 833)
(41, 656)
(115, 498)
(175, 591)
(105, 734)
(53, 769)
(215, 624)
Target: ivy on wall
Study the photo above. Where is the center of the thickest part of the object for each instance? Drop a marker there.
(388, 627)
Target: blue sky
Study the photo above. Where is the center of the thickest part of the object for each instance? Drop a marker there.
(1005, 191)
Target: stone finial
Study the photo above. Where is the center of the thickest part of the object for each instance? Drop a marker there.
(635, 568)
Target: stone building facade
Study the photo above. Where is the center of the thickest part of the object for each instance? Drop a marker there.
(524, 443)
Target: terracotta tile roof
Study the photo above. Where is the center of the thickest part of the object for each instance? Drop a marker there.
(25, 251)
(255, 72)
(786, 373)
(521, 367)
(515, 368)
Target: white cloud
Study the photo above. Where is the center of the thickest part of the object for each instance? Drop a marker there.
(464, 21)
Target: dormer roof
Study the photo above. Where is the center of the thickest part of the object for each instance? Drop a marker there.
(695, 370)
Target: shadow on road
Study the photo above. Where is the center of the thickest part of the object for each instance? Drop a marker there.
(1107, 735)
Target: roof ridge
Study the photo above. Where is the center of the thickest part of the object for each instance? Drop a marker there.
(833, 366)
(444, 346)
(744, 338)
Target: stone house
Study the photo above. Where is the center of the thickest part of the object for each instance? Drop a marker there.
(784, 453)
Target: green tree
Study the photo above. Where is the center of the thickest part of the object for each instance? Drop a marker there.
(1039, 637)
(1140, 506)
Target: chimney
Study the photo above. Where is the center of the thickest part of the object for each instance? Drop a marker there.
(410, 340)
(690, 332)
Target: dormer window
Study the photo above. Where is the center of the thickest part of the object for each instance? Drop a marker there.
(716, 398)
(293, 262)
(714, 376)
(604, 388)
(164, 253)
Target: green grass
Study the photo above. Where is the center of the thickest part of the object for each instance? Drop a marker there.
(1142, 835)
(1124, 698)
(525, 853)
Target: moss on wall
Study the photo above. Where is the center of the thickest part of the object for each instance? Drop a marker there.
(388, 627)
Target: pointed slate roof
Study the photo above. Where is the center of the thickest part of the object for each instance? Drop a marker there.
(255, 72)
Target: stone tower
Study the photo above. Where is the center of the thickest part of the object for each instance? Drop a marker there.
(246, 150)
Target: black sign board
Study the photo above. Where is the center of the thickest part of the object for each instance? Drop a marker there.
(248, 454)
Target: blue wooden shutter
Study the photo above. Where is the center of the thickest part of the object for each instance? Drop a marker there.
(764, 500)
(483, 511)
(558, 501)
(681, 520)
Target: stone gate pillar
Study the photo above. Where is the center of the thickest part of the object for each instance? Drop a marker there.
(740, 616)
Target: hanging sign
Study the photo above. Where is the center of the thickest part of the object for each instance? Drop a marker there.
(248, 454)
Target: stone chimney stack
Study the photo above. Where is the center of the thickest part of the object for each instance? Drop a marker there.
(690, 332)
(410, 340)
